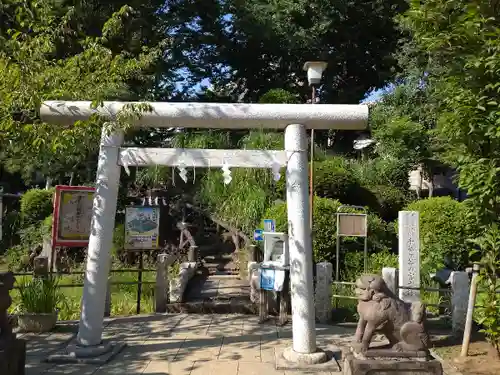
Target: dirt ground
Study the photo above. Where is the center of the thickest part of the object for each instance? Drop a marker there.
(481, 360)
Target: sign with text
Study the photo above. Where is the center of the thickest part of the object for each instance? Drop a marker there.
(269, 225)
(72, 215)
(142, 227)
(257, 235)
(352, 225)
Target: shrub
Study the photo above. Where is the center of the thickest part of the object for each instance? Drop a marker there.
(445, 228)
(36, 205)
(40, 296)
(354, 263)
(325, 229)
(381, 171)
(387, 201)
(333, 180)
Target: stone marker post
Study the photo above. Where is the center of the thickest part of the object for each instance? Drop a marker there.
(459, 301)
(323, 295)
(409, 255)
(162, 284)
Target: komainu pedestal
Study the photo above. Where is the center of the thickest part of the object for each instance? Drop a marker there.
(12, 350)
(403, 324)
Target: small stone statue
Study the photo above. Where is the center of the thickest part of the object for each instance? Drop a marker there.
(6, 285)
(381, 311)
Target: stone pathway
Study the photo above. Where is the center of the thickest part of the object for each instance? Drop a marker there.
(183, 344)
(178, 345)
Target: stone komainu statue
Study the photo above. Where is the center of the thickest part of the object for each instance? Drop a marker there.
(381, 311)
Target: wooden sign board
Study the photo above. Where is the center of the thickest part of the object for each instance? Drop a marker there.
(352, 225)
(72, 215)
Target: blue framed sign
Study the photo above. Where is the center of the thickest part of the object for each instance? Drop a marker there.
(257, 235)
(267, 278)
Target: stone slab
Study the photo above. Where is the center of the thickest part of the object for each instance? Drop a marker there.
(353, 366)
(101, 356)
(331, 365)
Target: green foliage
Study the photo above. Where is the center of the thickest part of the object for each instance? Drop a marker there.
(381, 171)
(354, 263)
(43, 58)
(325, 230)
(333, 180)
(36, 205)
(460, 53)
(488, 312)
(39, 296)
(388, 201)
(445, 228)
(249, 47)
(279, 96)
(30, 239)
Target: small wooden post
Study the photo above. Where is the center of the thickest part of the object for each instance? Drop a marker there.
(139, 282)
(161, 286)
(263, 306)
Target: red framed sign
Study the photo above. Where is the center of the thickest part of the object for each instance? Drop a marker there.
(72, 215)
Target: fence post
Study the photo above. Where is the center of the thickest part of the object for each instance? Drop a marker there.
(193, 254)
(459, 301)
(390, 276)
(323, 292)
(161, 285)
(40, 266)
(107, 301)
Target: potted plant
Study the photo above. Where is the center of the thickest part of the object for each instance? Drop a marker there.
(38, 306)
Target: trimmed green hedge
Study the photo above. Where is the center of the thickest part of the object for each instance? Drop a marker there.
(36, 205)
(444, 231)
(325, 230)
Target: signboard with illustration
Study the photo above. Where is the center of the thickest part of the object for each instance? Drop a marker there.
(142, 227)
(72, 215)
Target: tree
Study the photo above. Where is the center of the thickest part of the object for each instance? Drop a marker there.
(31, 73)
(251, 46)
(458, 44)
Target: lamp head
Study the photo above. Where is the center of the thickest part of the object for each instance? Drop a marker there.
(314, 71)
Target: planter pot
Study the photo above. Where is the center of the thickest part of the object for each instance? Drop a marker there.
(37, 322)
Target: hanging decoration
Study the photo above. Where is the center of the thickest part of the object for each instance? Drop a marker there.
(226, 173)
(182, 170)
(276, 169)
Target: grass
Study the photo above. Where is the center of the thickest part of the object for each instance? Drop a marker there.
(123, 297)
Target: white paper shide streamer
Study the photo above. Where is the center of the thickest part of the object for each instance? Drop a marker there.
(226, 173)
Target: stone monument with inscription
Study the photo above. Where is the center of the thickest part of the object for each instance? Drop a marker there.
(409, 256)
(403, 325)
(12, 349)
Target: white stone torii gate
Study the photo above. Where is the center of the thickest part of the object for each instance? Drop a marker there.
(294, 118)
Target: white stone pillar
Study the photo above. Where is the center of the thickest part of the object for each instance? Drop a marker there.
(100, 240)
(323, 295)
(459, 301)
(299, 240)
(409, 255)
(390, 276)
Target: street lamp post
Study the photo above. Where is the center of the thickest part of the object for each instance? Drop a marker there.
(314, 71)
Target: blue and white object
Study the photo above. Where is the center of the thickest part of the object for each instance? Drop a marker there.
(276, 249)
(257, 235)
(269, 225)
(271, 279)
